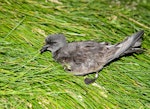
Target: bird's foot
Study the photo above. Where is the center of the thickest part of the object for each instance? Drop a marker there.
(89, 80)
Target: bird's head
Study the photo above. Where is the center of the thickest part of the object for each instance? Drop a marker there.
(53, 43)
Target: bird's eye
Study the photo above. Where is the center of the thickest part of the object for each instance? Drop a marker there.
(53, 43)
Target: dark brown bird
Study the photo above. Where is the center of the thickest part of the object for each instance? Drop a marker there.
(82, 58)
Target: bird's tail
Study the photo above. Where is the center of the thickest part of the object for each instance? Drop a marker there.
(130, 45)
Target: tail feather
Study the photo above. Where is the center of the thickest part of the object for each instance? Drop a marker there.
(136, 48)
(138, 43)
(129, 45)
(133, 50)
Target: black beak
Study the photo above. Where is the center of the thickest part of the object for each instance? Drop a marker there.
(44, 49)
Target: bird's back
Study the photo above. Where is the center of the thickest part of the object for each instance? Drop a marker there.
(82, 58)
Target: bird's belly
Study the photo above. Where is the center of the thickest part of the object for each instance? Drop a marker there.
(83, 68)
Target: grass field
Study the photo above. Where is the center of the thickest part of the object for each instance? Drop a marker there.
(34, 81)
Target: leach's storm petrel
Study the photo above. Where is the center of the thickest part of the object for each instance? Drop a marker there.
(82, 58)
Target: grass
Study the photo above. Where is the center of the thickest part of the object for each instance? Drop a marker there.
(31, 80)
